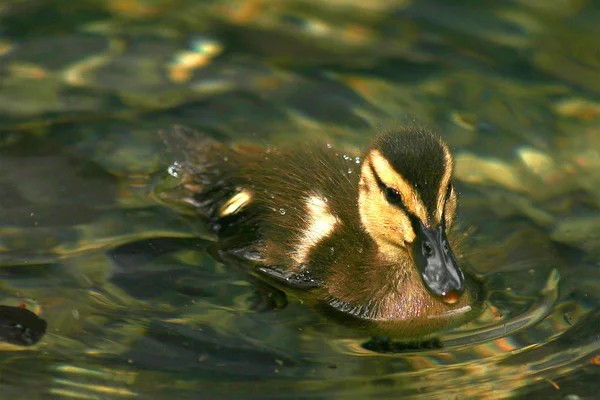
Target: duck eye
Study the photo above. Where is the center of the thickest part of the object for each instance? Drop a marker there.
(392, 195)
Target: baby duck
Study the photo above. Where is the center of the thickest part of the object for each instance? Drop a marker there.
(362, 238)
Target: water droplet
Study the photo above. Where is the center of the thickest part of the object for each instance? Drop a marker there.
(346, 157)
(332, 250)
(357, 160)
(328, 145)
(174, 169)
(225, 158)
(282, 211)
(325, 199)
(349, 171)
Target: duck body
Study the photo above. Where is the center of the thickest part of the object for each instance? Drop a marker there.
(337, 229)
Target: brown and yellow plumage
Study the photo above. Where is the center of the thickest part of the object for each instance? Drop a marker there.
(359, 236)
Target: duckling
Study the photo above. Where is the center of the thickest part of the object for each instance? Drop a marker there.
(363, 238)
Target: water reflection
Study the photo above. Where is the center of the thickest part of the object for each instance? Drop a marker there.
(134, 306)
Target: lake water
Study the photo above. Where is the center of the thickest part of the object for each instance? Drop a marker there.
(137, 309)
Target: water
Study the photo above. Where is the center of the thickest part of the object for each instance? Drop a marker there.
(134, 305)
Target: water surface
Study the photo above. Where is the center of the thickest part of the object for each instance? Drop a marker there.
(137, 309)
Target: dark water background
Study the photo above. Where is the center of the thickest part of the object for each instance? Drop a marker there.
(135, 307)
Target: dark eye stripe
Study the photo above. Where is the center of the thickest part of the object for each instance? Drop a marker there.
(382, 186)
(449, 192)
(396, 198)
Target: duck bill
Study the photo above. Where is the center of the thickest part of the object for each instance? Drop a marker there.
(435, 261)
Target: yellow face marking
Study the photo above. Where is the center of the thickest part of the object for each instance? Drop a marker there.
(391, 178)
(450, 209)
(441, 197)
(388, 225)
(235, 203)
(320, 223)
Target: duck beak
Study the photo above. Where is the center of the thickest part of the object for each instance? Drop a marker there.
(435, 261)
